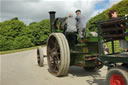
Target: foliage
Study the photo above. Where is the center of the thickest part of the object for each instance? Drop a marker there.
(22, 42)
(6, 43)
(14, 34)
(40, 32)
(121, 8)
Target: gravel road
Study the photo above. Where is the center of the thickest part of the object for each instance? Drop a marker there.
(21, 69)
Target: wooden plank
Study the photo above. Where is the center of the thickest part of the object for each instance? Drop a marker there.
(120, 21)
(115, 35)
(113, 29)
(111, 39)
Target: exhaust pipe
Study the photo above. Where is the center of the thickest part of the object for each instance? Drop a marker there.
(52, 19)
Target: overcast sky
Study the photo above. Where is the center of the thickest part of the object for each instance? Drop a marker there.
(36, 10)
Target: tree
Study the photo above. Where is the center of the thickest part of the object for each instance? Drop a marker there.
(121, 8)
(40, 32)
(13, 33)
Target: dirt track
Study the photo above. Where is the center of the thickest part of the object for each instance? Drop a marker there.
(21, 69)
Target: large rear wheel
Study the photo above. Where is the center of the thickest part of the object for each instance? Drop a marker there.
(58, 54)
(117, 76)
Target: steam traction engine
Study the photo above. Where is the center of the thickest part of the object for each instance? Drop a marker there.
(62, 53)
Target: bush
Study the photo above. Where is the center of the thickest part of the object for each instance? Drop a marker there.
(5, 43)
(22, 42)
(40, 32)
(14, 34)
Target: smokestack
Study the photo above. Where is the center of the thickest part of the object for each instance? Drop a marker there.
(52, 19)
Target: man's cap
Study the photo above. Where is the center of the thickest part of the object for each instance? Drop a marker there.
(78, 11)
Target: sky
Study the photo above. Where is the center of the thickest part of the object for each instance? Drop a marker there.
(37, 10)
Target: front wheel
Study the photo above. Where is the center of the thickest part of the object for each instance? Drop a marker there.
(117, 76)
(40, 56)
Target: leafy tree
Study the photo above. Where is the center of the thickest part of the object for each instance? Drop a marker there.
(6, 43)
(22, 42)
(40, 32)
(15, 34)
(121, 8)
(11, 31)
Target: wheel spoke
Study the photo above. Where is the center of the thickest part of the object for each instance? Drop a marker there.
(52, 42)
(56, 45)
(54, 57)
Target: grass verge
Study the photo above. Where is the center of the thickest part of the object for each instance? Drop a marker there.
(18, 50)
(116, 46)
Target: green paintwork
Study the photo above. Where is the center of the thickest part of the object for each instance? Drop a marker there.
(92, 39)
(82, 52)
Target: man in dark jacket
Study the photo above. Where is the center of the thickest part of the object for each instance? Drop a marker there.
(80, 23)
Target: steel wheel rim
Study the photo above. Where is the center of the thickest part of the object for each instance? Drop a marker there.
(54, 58)
(116, 79)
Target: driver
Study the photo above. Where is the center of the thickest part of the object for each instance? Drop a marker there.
(80, 23)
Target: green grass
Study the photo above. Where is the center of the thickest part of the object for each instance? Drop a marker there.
(18, 50)
(116, 46)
